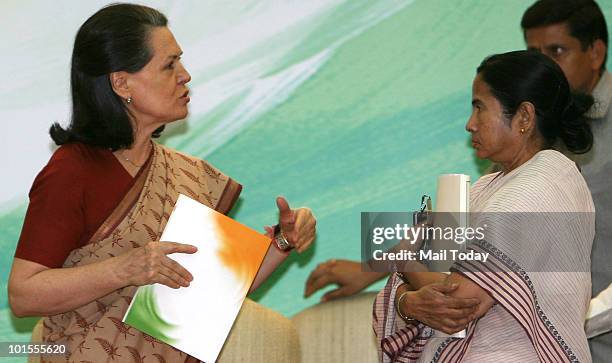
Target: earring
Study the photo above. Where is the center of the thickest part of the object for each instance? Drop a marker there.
(522, 130)
(129, 99)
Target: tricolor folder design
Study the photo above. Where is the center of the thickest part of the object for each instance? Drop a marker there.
(198, 319)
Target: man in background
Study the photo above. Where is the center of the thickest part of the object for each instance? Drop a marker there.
(574, 34)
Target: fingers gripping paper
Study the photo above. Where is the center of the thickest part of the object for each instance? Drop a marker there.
(197, 319)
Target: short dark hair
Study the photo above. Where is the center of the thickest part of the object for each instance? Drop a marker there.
(583, 17)
(529, 76)
(116, 38)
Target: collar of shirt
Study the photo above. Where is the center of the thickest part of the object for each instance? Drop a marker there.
(603, 97)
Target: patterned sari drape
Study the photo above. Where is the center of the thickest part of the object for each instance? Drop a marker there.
(94, 332)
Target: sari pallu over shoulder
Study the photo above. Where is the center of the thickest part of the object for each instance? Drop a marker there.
(512, 288)
(94, 332)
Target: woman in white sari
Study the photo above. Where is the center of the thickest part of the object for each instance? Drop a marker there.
(532, 293)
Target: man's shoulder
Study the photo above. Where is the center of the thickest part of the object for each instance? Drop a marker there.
(602, 95)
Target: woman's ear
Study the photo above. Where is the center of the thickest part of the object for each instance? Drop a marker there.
(526, 117)
(119, 83)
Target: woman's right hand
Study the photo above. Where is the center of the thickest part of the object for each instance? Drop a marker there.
(150, 264)
(432, 306)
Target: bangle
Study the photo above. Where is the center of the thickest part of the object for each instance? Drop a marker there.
(406, 318)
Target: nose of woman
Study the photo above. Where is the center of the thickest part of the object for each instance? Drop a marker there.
(184, 76)
(470, 126)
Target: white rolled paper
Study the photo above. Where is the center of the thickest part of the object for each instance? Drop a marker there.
(453, 193)
(453, 196)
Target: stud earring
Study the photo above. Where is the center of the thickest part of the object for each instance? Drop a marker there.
(129, 100)
(522, 130)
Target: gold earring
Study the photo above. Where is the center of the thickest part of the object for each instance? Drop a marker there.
(522, 130)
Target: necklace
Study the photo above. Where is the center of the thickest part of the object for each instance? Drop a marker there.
(131, 162)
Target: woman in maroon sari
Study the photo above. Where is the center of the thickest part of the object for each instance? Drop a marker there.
(97, 209)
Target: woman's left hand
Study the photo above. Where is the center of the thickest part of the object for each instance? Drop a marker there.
(298, 225)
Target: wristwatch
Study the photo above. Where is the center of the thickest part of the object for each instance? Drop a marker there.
(280, 240)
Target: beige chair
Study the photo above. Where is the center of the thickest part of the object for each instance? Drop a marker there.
(261, 335)
(337, 331)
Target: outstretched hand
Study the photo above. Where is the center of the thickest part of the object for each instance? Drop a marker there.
(348, 275)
